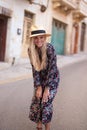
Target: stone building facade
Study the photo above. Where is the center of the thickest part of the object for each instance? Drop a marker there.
(64, 19)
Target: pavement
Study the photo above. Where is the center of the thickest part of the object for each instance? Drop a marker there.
(22, 69)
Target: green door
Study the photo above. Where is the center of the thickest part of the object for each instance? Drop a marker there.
(58, 36)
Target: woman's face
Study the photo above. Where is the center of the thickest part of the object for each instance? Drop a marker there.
(39, 40)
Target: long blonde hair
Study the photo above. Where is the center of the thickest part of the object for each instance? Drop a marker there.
(39, 64)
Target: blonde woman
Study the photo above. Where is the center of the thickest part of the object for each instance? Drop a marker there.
(45, 76)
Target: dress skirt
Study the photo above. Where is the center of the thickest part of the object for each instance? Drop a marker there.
(40, 111)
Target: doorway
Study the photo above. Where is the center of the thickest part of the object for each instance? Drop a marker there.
(58, 36)
(83, 29)
(76, 27)
(28, 19)
(3, 30)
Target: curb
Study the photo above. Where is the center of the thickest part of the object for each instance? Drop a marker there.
(10, 80)
(69, 60)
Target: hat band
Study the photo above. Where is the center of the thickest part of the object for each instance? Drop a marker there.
(38, 32)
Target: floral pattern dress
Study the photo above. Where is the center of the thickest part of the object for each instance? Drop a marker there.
(49, 77)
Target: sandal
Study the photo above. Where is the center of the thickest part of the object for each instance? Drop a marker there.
(39, 128)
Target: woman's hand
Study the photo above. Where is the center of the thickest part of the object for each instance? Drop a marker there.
(46, 95)
(38, 93)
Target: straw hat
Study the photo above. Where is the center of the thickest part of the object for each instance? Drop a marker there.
(35, 31)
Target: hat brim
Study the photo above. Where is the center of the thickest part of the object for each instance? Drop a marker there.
(40, 34)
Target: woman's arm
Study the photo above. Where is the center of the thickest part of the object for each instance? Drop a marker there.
(36, 77)
(37, 83)
(53, 72)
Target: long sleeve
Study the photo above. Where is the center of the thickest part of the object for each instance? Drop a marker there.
(53, 72)
(36, 77)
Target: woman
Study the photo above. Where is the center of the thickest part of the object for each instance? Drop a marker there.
(46, 78)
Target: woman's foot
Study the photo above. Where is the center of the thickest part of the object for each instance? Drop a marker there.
(39, 128)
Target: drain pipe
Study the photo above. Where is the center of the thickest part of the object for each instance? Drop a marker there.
(13, 61)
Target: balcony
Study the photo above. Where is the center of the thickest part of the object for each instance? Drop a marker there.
(65, 6)
(81, 11)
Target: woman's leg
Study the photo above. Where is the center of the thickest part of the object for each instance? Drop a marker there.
(47, 126)
(39, 124)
